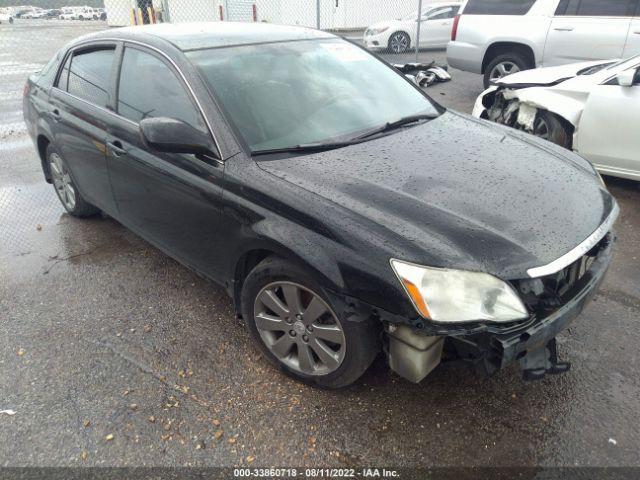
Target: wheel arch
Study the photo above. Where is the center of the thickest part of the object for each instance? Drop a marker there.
(504, 47)
(567, 109)
(42, 142)
(324, 268)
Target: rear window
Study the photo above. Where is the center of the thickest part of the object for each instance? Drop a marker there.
(596, 8)
(87, 77)
(498, 7)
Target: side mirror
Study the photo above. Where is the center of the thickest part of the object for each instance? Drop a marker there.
(626, 78)
(174, 136)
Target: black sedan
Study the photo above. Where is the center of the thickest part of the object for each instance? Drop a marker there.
(345, 212)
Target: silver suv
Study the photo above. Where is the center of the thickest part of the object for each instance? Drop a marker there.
(500, 37)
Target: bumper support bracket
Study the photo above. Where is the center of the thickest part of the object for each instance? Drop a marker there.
(538, 363)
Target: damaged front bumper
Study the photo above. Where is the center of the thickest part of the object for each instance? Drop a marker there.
(533, 345)
(415, 347)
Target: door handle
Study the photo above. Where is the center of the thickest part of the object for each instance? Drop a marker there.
(55, 113)
(116, 148)
(637, 32)
(564, 29)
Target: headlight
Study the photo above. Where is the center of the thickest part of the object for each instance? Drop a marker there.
(377, 31)
(444, 295)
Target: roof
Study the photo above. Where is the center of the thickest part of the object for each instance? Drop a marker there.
(193, 36)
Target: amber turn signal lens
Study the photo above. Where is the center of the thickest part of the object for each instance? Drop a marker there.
(415, 295)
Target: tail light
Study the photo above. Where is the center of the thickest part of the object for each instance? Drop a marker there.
(454, 30)
(25, 90)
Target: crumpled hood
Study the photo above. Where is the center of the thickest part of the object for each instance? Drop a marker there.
(464, 193)
(548, 75)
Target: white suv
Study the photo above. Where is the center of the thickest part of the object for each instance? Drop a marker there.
(500, 37)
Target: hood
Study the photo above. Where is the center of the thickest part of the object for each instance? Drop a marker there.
(463, 193)
(549, 75)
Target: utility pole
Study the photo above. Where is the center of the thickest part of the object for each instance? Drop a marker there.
(318, 14)
(418, 29)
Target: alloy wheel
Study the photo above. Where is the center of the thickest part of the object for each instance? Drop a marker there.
(62, 182)
(541, 129)
(299, 328)
(503, 69)
(399, 43)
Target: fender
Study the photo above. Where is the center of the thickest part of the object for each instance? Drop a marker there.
(568, 105)
(289, 241)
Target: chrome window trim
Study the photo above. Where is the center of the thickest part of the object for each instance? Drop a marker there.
(84, 100)
(175, 66)
(573, 255)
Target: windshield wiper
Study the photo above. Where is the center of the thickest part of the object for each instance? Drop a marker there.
(306, 147)
(387, 127)
(321, 146)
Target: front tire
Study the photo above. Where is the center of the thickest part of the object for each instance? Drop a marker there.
(549, 127)
(295, 326)
(66, 188)
(503, 65)
(399, 42)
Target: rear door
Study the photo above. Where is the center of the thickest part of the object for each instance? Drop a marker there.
(435, 30)
(588, 30)
(174, 200)
(632, 46)
(79, 103)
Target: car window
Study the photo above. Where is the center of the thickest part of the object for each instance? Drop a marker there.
(498, 7)
(88, 75)
(149, 88)
(596, 8)
(442, 14)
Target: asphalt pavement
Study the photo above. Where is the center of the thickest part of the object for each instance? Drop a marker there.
(113, 354)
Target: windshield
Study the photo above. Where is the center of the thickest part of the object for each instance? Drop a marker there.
(281, 95)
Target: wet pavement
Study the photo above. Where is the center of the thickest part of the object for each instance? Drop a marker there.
(114, 354)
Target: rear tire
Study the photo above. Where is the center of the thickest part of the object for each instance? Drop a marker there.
(504, 65)
(65, 186)
(287, 340)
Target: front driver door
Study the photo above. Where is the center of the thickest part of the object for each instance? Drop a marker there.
(173, 200)
(608, 133)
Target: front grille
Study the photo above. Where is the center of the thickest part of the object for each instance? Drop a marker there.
(546, 294)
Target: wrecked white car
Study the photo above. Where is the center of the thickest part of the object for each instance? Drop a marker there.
(592, 108)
